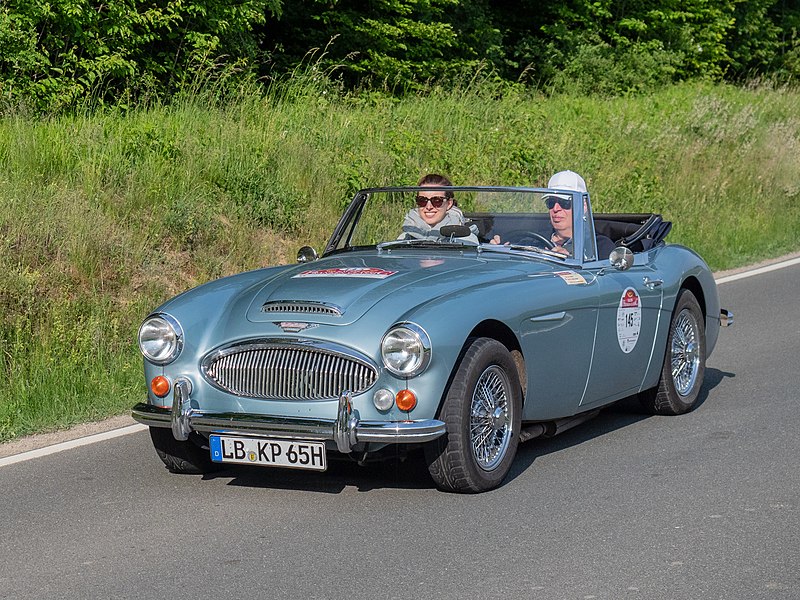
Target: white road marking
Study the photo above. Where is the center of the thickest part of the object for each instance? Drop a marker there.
(99, 437)
(84, 441)
(759, 271)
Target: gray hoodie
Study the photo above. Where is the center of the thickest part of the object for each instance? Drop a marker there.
(415, 228)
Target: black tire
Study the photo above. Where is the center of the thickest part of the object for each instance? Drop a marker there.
(485, 397)
(678, 389)
(182, 457)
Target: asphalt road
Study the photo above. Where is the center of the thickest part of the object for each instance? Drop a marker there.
(701, 506)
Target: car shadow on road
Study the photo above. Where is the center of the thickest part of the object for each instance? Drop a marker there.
(622, 413)
(410, 472)
(407, 472)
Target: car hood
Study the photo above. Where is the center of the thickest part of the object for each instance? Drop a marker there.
(340, 289)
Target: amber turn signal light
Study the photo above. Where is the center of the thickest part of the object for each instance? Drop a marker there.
(160, 386)
(406, 400)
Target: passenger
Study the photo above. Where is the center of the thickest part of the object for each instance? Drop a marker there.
(435, 209)
(559, 207)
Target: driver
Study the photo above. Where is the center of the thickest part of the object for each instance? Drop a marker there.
(559, 207)
(435, 209)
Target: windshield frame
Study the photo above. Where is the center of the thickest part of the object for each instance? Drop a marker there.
(582, 226)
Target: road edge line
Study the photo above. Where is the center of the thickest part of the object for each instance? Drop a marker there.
(759, 271)
(69, 445)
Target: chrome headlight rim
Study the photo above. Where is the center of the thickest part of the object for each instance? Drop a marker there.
(423, 356)
(176, 333)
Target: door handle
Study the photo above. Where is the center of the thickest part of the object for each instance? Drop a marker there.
(651, 284)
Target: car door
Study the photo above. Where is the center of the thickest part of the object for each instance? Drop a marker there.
(557, 338)
(629, 310)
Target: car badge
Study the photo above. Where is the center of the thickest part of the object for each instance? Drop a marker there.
(294, 326)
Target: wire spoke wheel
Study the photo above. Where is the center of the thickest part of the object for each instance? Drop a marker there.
(685, 353)
(482, 410)
(490, 422)
(682, 373)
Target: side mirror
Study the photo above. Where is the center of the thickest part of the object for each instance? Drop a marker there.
(306, 254)
(621, 258)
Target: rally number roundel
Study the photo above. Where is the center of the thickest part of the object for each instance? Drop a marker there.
(629, 320)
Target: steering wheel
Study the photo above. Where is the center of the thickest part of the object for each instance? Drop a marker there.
(524, 237)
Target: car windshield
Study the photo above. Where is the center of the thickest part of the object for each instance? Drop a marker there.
(517, 218)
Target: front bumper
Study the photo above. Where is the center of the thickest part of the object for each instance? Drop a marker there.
(346, 430)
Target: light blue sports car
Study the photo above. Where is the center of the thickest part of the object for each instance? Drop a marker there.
(506, 324)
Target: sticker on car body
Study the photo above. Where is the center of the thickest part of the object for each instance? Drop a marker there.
(368, 272)
(571, 277)
(629, 320)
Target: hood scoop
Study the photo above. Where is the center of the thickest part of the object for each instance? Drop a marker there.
(303, 308)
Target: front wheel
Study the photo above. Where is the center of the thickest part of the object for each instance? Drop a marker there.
(678, 389)
(181, 457)
(482, 412)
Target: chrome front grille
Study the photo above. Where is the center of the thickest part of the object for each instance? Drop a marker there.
(284, 371)
(306, 308)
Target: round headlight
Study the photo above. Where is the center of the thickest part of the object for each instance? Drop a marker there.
(160, 339)
(406, 350)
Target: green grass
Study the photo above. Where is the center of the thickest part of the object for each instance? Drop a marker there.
(105, 215)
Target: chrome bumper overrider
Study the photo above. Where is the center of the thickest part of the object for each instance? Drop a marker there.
(346, 430)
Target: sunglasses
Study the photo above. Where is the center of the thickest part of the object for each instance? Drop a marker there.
(565, 203)
(436, 201)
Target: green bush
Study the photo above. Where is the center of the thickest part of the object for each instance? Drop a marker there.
(64, 53)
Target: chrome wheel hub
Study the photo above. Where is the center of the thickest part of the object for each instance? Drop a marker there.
(498, 418)
(685, 353)
(490, 418)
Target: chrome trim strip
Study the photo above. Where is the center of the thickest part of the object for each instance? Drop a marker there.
(302, 428)
(551, 317)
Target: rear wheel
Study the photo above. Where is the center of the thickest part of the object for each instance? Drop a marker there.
(684, 366)
(182, 457)
(482, 412)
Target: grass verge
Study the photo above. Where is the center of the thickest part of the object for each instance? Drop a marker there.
(105, 215)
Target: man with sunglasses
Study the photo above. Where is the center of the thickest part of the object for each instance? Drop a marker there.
(559, 207)
(434, 209)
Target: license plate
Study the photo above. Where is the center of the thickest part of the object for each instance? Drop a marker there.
(268, 452)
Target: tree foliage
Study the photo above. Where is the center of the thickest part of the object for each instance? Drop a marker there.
(595, 46)
(55, 53)
(386, 42)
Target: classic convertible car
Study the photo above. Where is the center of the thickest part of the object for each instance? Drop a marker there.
(463, 347)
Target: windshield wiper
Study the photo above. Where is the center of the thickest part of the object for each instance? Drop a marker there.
(441, 242)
